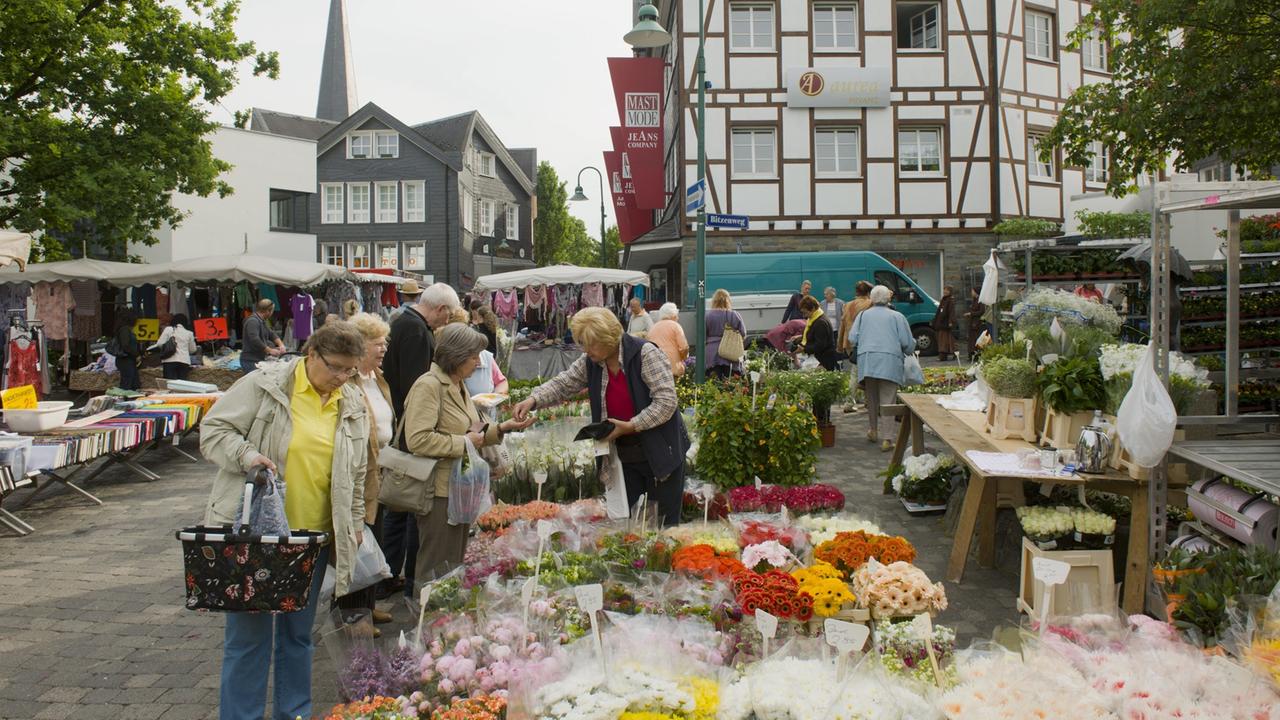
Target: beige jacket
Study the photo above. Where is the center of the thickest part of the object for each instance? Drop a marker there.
(437, 415)
(851, 310)
(372, 476)
(253, 417)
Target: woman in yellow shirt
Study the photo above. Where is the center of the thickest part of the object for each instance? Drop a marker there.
(303, 420)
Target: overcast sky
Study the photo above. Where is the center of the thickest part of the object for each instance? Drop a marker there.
(536, 71)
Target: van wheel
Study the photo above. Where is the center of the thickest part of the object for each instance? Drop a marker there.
(926, 340)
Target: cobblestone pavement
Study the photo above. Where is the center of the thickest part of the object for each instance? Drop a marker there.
(91, 616)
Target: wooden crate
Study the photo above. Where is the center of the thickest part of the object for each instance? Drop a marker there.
(1120, 460)
(1090, 586)
(1012, 418)
(1062, 431)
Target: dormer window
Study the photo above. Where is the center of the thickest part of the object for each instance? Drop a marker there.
(359, 145)
(388, 144)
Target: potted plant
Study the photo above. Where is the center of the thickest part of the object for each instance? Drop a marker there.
(1012, 410)
(1070, 389)
(822, 388)
(924, 482)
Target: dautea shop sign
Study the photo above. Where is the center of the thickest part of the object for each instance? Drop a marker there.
(838, 87)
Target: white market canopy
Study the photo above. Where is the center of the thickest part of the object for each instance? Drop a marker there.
(14, 247)
(114, 273)
(560, 275)
(193, 271)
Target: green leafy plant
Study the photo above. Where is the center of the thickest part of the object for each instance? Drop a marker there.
(1011, 378)
(1230, 576)
(1072, 385)
(776, 441)
(1027, 228)
(821, 388)
(1114, 225)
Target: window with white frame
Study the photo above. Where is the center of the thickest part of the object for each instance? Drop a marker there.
(358, 255)
(415, 257)
(754, 153)
(334, 201)
(388, 256)
(468, 212)
(388, 203)
(513, 222)
(415, 201)
(487, 164)
(750, 27)
(917, 25)
(358, 202)
(920, 151)
(1039, 34)
(836, 152)
(487, 210)
(1096, 170)
(1093, 51)
(1037, 168)
(334, 255)
(359, 145)
(388, 144)
(835, 27)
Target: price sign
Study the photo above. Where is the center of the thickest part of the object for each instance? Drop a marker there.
(1050, 573)
(759, 482)
(526, 597)
(846, 637)
(211, 329)
(422, 607)
(540, 479)
(707, 493)
(922, 629)
(22, 397)
(545, 529)
(755, 376)
(768, 626)
(591, 601)
(147, 329)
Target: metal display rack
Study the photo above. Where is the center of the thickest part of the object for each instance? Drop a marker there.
(1243, 458)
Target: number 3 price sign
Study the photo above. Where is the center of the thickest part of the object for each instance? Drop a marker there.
(211, 329)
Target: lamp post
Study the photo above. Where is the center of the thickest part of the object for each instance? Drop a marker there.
(579, 196)
(647, 33)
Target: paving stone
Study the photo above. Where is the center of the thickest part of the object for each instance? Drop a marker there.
(141, 681)
(56, 711)
(189, 696)
(63, 694)
(188, 712)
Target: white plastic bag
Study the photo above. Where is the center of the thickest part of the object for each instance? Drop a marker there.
(1147, 419)
(809, 362)
(469, 487)
(990, 280)
(371, 565)
(615, 487)
(912, 373)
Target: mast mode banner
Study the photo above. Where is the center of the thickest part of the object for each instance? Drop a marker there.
(632, 221)
(637, 88)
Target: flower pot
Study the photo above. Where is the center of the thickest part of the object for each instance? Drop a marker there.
(1012, 418)
(828, 433)
(1061, 430)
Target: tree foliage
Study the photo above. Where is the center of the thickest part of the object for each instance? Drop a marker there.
(612, 246)
(104, 113)
(1189, 78)
(552, 225)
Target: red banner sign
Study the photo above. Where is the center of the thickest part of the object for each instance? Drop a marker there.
(211, 329)
(632, 220)
(637, 88)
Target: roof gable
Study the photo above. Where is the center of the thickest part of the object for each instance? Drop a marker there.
(370, 110)
(455, 132)
(298, 126)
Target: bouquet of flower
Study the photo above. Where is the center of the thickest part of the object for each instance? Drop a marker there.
(1045, 524)
(775, 592)
(799, 500)
(369, 708)
(1092, 528)
(480, 707)
(565, 569)
(705, 562)
(1043, 305)
(1002, 685)
(897, 589)
(1186, 379)
(371, 672)
(461, 661)
(905, 655)
(826, 585)
(721, 537)
(925, 479)
(849, 551)
(754, 532)
(823, 528)
(501, 515)
(628, 553)
(558, 619)
(767, 555)
(484, 559)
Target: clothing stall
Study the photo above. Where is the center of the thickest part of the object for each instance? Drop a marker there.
(534, 306)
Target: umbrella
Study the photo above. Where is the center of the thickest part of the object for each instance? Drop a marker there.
(1140, 256)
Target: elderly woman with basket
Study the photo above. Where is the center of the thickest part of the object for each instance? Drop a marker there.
(305, 422)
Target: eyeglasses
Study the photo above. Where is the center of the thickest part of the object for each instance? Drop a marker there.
(340, 372)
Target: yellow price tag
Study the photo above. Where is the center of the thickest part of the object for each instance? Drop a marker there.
(22, 397)
(147, 329)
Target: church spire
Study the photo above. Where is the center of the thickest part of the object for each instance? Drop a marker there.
(337, 74)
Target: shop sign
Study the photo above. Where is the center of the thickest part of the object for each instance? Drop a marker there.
(850, 87)
(633, 221)
(637, 89)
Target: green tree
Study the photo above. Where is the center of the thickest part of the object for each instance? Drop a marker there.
(612, 246)
(551, 229)
(1188, 79)
(579, 247)
(104, 113)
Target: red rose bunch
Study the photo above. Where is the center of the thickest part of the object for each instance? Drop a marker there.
(754, 532)
(775, 592)
(771, 498)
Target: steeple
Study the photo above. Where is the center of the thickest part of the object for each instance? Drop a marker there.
(337, 74)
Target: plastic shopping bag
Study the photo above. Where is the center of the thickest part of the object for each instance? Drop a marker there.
(990, 281)
(469, 487)
(1147, 419)
(371, 565)
(615, 487)
(912, 373)
(266, 511)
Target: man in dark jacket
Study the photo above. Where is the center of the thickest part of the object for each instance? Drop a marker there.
(260, 341)
(410, 349)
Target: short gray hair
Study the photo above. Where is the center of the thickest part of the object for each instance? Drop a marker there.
(881, 295)
(455, 344)
(440, 295)
(668, 310)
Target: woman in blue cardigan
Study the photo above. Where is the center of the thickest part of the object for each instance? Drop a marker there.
(883, 339)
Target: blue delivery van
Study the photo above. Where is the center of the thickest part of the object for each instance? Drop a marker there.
(747, 275)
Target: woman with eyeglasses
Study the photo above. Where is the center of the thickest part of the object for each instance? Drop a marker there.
(304, 421)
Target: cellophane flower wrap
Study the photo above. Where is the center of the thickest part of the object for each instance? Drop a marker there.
(897, 589)
(849, 551)
(905, 655)
(827, 586)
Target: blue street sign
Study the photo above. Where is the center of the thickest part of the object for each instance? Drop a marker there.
(696, 196)
(739, 222)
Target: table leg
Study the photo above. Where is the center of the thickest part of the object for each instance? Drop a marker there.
(904, 431)
(66, 482)
(917, 434)
(987, 525)
(973, 500)
(1137, 565)
(15, 523)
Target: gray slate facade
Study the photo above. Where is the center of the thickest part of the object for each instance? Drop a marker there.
(391, 195)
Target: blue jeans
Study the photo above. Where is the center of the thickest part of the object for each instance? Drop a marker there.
(247, 659)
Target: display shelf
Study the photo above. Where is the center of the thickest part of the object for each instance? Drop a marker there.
(1267, 373)
(1222, 348)
(1254, 461)
(1275, 317)
(1244, 258)
(1221, 289)
(1095, 279)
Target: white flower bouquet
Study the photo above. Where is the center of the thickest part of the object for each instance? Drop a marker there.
(1046, 526)
(925, 479)
(1042, 305)
(1186, 379)
(825, 527)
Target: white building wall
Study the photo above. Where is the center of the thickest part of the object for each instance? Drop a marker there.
(222, 226)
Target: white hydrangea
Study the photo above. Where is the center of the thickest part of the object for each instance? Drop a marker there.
(1069, 305)
(1123, 359)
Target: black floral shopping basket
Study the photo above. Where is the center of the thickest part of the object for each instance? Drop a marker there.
(242, 572)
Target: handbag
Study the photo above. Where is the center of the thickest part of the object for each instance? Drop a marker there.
(407, 485)
(167, 349)
(731, 345)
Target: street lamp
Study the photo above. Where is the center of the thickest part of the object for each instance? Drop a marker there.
(647, 33)
(579, 196)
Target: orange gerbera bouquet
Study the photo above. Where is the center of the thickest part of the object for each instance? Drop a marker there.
(706, 563)
(849, 551)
